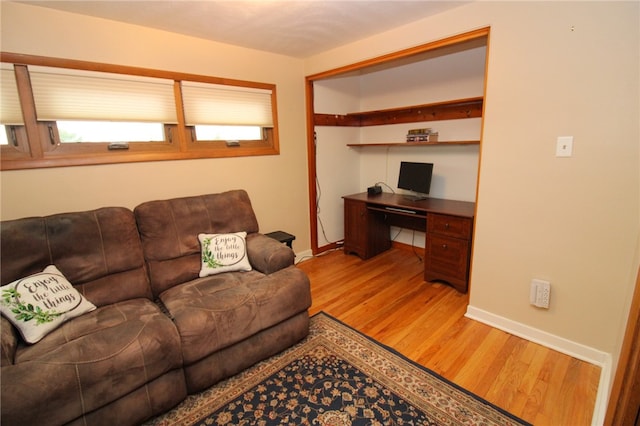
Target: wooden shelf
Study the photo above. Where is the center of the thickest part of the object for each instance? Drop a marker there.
(408, 144)
(449, 110)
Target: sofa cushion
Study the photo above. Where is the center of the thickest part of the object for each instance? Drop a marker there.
(223, 253)
(217, 311)
(41, 302)
(99, 252)
(90, 362)
(169, 231)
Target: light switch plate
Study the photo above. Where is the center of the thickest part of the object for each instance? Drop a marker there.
(564, 146)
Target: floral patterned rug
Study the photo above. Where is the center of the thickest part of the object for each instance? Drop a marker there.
(336, 376)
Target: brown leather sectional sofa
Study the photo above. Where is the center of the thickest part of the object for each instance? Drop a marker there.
(159, 332)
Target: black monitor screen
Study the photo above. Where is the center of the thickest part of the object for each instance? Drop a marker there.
(415, 177)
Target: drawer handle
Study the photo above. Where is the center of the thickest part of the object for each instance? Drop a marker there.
(446, 225)
(444, 246)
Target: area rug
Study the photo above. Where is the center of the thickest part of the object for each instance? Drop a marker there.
(336, 376)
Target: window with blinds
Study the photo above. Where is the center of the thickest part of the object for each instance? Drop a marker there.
(85, 113)
(225, 113)
(224, 105)
(10, 113)
(90, 106)
(12, 130)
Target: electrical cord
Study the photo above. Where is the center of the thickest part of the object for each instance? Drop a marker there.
(413, 246)
(385, 184)
(318, 196)
(393, 192)
(312, 256)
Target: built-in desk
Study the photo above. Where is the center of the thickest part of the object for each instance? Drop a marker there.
(448, 225)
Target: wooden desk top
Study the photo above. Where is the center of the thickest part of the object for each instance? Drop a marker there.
(429, 205)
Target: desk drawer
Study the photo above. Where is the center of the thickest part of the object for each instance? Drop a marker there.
(447, 256)
(452, 226)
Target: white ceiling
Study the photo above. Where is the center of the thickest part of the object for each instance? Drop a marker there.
(298, 28)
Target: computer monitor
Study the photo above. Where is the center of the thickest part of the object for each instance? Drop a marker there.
(415, 177)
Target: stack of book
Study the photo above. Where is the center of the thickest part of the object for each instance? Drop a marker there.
(422, 135)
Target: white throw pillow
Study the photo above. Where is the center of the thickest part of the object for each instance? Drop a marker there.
(40, 303)
(223, 253)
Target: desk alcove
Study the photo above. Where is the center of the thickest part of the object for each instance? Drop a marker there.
(448, 225)
(352, 118)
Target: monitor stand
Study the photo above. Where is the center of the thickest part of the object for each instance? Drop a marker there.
(417, 197)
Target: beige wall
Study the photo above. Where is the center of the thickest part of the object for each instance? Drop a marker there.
(277, 185)
(555, 69)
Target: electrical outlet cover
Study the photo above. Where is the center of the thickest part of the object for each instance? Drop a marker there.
(540, 293)
(564, 146)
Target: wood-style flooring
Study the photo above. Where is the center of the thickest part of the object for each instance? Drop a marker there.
(387, 299)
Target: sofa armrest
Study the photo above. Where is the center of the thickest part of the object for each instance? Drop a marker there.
(268, 255)
(9, 342)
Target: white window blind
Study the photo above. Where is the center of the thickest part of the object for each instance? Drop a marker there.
(10, 111)
(226, 105)
(64, 94)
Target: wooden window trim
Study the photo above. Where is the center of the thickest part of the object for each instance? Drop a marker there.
(42, 153)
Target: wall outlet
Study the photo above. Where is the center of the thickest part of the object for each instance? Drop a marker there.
(564, 146)
(540, 293)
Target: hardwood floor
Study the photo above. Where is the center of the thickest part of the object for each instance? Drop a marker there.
(387, 299)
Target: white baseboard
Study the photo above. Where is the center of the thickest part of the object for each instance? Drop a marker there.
(303, 255)
(560, 344)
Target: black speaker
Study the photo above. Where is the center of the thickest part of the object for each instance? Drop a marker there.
(374, 190)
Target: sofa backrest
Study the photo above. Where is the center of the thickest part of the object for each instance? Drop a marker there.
(98, 251)
(169, 231)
